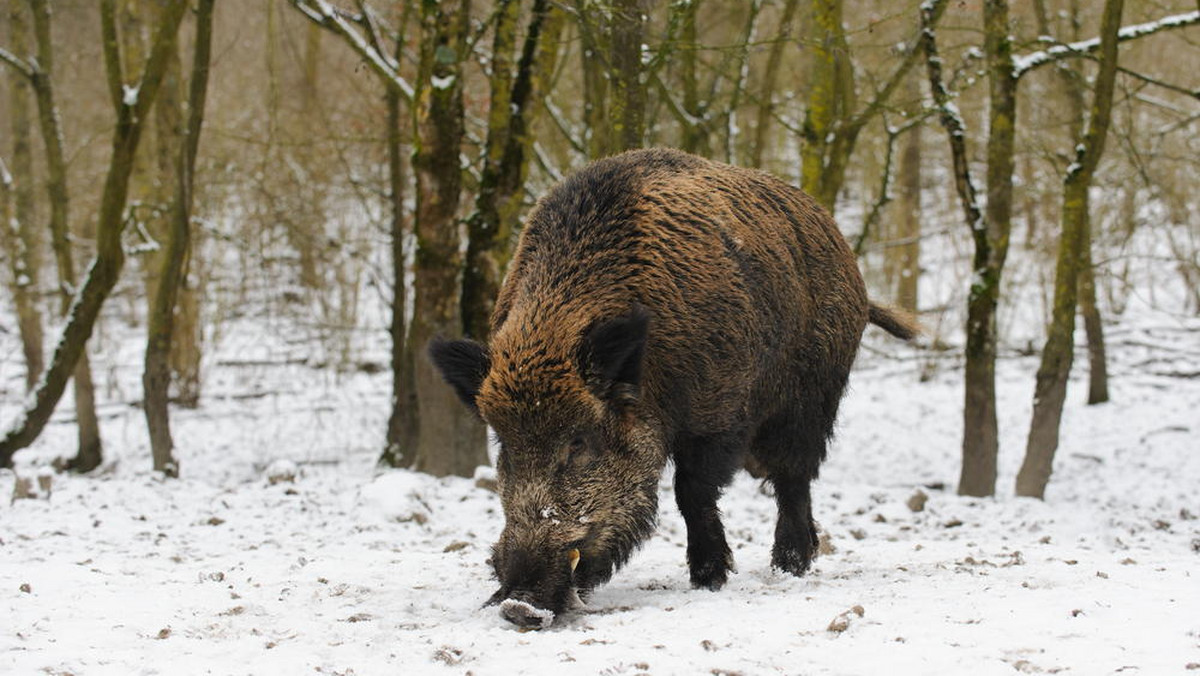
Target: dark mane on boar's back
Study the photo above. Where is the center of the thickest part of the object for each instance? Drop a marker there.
(660, 306)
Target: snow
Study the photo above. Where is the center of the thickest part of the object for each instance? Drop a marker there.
(130, 96)
(283, 549)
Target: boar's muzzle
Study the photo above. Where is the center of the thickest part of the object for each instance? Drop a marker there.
(532, 593)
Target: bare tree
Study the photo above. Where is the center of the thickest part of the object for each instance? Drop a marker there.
(833, 122)
(1058, 353)
(501, 190)
(449, 440)
(156, 377)
(1072, 82)
(39, 72)
(989, 231)
(365, 35)
(132, 104)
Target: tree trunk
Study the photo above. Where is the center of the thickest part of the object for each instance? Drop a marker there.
(627, 106)
(481, 272)
(402, 422)
(90, 451)
(906, 252)
(1059, 350)
(980, 430)
(831, 127)
(450, 440)
(741, 74)
(160, 330)
(1073, 85)
(824, 100)
(593, 31)
(106, 266)
(695, 133)
(1093, 326)
(22, 239)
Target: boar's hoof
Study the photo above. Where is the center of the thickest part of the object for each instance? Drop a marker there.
(794, 560)
(525, 615)
(711, 573)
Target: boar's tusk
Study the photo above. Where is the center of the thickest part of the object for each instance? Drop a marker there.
(574, 556)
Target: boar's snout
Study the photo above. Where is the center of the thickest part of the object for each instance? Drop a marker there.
(533, 591)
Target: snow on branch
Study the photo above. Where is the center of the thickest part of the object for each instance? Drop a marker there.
(14, 61)
(1024, 64)
(326, 16)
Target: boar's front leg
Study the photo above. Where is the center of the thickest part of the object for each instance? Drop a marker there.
(702, 467)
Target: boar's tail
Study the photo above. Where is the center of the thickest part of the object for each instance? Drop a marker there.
(899, 324)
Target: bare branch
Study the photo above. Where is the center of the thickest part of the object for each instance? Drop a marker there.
(1024, 64)
(15, 61)
(326, 16)
(371, 22)
(950, 118)
(912, 50)
(1194, 93)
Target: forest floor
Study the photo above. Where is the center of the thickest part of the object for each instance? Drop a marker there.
(284, 550)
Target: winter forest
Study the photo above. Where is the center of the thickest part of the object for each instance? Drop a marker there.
(230, 230)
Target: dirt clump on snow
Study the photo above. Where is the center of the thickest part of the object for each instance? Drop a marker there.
(842, 622)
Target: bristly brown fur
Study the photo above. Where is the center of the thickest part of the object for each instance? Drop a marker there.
(661, 306)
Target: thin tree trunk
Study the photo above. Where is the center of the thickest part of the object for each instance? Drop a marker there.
(90, 452)
(1093, 326)
(402, 422)
(450, 440)
(980, 430)
(481, 272)
(132, 104)
(1072, 81)
(594, 34)
(907, 251)
(157, 375)
(695, 132)
(741, 75)
(23, 239)
(824, 99)
(1058, 353)
(184, 356)
(627, 106)
(770, 79)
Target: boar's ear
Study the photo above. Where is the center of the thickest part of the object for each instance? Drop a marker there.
(611, 356)
(463, 365)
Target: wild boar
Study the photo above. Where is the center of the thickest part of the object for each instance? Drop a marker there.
(659, 307)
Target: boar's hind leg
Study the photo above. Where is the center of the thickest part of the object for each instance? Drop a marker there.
(791, 448)
(702, 467)
(795, 532)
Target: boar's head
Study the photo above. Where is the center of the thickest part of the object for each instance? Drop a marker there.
(579, 464)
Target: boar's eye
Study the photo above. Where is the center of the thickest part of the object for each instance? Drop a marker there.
(577, 452)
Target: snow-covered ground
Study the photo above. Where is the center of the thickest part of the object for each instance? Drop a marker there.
(347, 570)
(283, 550)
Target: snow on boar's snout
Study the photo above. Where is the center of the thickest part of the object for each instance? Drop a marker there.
(659, 306)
